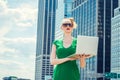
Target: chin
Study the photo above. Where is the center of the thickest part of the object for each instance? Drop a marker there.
(68, 32)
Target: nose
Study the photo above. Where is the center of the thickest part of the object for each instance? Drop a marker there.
(67, 25)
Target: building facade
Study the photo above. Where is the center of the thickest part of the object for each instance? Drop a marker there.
(94, 19)
(59, 16)
(68, 8)
(119, 2)
(10, 78)
(115, 42)
(63, 10)
(14, 78)
(45, 37)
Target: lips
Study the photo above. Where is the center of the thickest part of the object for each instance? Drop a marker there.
(68, 29)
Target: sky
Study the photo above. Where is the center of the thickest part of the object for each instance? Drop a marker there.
(18, 28)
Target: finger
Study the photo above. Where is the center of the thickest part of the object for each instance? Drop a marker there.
(82, 54)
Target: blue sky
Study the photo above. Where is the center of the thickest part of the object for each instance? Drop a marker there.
(18, 28)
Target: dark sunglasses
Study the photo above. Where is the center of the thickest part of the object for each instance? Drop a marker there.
(67, 24)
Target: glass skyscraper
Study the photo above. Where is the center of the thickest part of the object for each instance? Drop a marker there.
(63, 10)
(59, 17)
(115, 41)
(45, 37)
(119, 3)
(68, 8)
(94, 19)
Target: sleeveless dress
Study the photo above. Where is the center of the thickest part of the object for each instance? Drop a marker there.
(67, 70)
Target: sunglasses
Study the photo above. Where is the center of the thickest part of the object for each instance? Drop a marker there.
(67, 24)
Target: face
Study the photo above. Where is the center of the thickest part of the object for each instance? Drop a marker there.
(67, 26)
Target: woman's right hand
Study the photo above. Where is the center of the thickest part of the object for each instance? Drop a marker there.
(85, 55)
(71, 59)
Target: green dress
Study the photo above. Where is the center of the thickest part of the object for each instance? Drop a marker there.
(67, 70)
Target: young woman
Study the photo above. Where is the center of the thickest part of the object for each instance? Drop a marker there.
(66, 68)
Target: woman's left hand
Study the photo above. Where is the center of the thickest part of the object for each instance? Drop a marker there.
(84, 56)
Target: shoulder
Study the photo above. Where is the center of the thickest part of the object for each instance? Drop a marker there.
(56, 41)
(75, 39)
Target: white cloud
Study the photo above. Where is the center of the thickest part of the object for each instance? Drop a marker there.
(26, 24)
(23, 16)
(32, 56)
(20, 40)
(4, 30)
(5, 49)
(3, 6)
(18, 69)
(6, 62)
(27, 15)
(17, 54)
(23, 66)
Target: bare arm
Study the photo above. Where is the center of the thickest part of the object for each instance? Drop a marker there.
(82, 61)
(83, 58)
(54, 60)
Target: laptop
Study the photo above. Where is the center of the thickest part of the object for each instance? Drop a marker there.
(87, 45)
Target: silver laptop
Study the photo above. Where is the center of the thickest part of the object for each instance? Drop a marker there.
(87, 45)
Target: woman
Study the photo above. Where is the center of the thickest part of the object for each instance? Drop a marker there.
(66, 68)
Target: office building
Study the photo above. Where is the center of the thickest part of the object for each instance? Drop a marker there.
(45, 37)
(115, 41)
(14, 78)
(94, 19)
(63, 10)
(119, 2)
(59, 17)
(23, 79)
(68, 8)
(10, 78)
